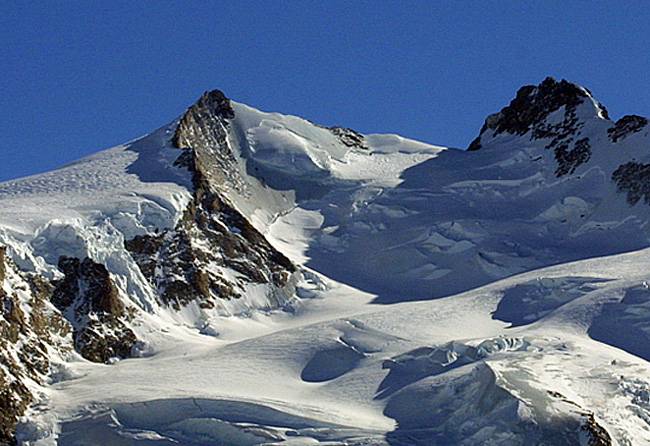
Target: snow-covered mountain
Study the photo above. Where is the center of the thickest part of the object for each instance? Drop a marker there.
(240, 277)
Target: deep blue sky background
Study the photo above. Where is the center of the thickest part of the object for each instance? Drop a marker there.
(76, 77)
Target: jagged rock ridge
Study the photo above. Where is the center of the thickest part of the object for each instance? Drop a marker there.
(204, 128)
(626, 126)
(532, 105)
(529, 112)
(177, 262)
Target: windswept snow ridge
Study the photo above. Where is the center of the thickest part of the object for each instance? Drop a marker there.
(241, 277)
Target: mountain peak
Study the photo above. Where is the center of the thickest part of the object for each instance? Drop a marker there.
(217, 102)
(212, 105)
(532, 106)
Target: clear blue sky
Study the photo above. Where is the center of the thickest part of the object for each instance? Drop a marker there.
(76, 77)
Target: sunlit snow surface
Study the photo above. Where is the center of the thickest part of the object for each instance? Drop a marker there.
(372, 353)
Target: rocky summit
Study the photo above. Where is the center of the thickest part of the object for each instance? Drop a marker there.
(243, 277)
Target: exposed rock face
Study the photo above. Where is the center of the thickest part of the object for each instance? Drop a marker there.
(214, 252)
(596, 434)
(349, 137)
(204, 127)
(626, 126)
(3, 252)
(569, 160)
(90, 297)
(533, 104)
(191, 262)
(14, 395)
(590, 431)
(529, 112)
(634, 179)
(29, 325)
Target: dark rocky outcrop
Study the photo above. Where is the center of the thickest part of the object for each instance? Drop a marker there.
(144, 249)
(569, 159)
(626, 126)
(189, 263)
(528, 113)
(88, 294)
(99, 295)
(633, 179)
(14, 395)
(532, 105)
(476, 143)
(14, 400)
(24, 340)
(596, 434)
(204, 127)
(349, 137)
(3, 253)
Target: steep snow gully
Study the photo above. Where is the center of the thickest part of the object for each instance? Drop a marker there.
(240, 277)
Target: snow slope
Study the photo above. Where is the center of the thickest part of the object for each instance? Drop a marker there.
(88, 209)
(493, 296)
(371, 374)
